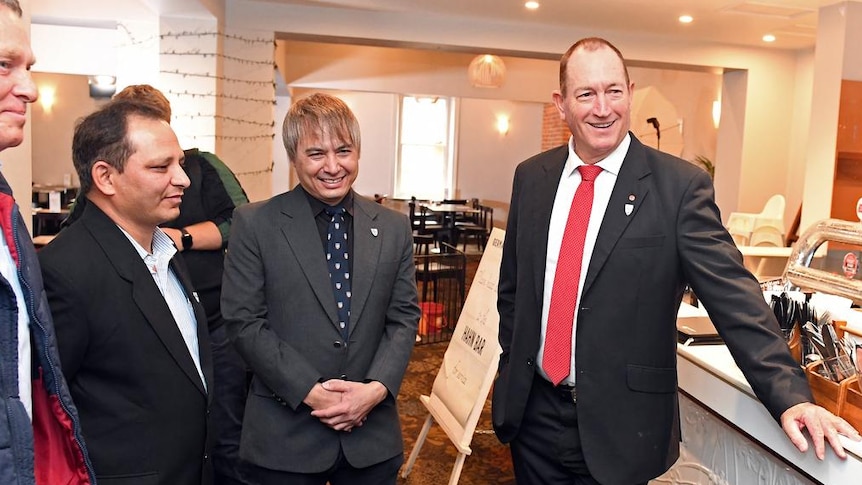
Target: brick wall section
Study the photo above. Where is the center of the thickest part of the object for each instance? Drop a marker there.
(554, 130)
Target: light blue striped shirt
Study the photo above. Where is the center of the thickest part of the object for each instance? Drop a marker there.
(169, 285)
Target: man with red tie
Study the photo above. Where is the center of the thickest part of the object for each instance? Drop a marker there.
(603, 236)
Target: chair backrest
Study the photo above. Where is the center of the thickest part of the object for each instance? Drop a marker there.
(455, 201)
(488, 214)
(774, 207)
(767, 235)
(414, 223)
(422, 244)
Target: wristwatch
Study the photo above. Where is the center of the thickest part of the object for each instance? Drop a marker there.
(187, 239)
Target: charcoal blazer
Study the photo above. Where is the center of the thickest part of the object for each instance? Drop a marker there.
(144, 410)
(279, 307)
(670, 235)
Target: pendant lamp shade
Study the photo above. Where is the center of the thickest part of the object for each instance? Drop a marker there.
(487, 71)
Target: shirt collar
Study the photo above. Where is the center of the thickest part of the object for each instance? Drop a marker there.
(318, 206)
(612, 163)
(163, 246)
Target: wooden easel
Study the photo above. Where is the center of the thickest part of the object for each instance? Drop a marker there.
(478, 320)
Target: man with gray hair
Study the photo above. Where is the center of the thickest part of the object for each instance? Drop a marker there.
(41, 434)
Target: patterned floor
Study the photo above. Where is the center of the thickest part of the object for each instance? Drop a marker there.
(489, 463)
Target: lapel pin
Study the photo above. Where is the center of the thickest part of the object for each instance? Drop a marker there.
(631, 197)
(374, 231)
(629, 208)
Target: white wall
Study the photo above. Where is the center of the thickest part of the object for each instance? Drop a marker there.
(487, 159)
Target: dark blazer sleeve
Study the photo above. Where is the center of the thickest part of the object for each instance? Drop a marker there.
(732, 296)
(401, 318)
(245, 309)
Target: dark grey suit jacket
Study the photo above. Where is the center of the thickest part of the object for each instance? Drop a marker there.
(626, 335)
(278, 304)
(144, 411)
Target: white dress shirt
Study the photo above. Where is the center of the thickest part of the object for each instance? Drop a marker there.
(10, 273)
(169, 285)
(569, 182)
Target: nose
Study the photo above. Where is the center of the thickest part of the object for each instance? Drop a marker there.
(331, 164)
(601, 107)
(25, 88)
(180, 178)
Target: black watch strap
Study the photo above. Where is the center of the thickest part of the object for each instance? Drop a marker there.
(188, 242)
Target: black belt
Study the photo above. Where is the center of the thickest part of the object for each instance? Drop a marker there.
(567, 393)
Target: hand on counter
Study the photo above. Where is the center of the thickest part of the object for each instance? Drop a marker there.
(822, 426)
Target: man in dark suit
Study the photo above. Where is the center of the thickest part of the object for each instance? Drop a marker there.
(133, 337)
(320, 298)
(602, 407)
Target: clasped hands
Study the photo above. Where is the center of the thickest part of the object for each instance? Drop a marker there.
(344, 405)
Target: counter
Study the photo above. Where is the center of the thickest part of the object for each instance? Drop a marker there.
(729, 437)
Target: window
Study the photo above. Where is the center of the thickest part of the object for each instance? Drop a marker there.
(424, 168)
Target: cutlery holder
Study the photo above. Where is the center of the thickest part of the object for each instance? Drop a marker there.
(851, 408)
(830, 395)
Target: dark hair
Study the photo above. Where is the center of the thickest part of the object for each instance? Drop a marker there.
(588, 44)
(102, 135)
(315, 113)
(13, 5)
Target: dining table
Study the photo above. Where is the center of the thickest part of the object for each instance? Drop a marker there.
(448, 215)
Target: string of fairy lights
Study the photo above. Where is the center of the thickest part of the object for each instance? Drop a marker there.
(253, 91)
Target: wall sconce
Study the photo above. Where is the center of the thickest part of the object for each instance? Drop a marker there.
(503, 124)
(716, 113)
(102, 86)
(487, 71)
(47, 97)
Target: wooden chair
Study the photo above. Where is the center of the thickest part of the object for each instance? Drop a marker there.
(421, 221)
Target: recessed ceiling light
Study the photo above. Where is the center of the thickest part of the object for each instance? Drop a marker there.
(768, 38)
(685, 19)
(532, 5)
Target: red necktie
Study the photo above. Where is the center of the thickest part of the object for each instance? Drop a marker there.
(558, 334)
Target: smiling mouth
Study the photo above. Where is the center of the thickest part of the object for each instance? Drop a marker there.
(607, 124)
(332, 180)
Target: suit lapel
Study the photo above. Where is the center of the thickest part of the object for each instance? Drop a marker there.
(367, 243)
(146, 295)
(630, 188)
(300, 230)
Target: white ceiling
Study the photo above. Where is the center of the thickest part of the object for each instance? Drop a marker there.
(740, 22)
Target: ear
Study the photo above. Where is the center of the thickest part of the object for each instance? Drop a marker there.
(103, 177)
(557, 96)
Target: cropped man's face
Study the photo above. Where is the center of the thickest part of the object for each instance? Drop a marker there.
(16, 86)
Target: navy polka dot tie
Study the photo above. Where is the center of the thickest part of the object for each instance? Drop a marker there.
(339, 269)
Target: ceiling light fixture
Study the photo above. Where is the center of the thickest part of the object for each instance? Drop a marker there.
(685, 19)
(487, 71)
(532, 5)
(768, 38)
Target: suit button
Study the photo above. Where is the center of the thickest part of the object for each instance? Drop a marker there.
(337, 344)
(529, 361)
(343, 377)
(206, 456)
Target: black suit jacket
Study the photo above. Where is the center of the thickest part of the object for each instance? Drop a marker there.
(626, 335)
(144, 411)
